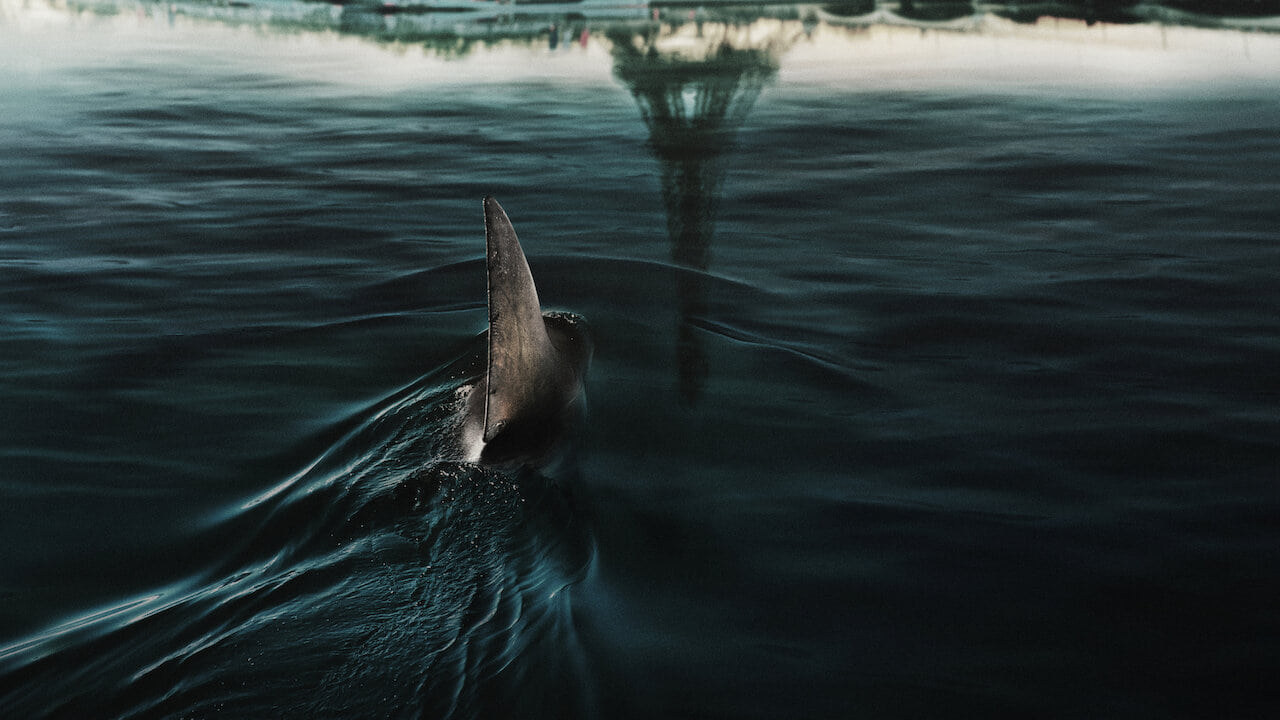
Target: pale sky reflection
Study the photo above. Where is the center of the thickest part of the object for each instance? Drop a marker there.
(1002, 54)
(984, 51)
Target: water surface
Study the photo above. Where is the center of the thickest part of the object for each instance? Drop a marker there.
(935, 373)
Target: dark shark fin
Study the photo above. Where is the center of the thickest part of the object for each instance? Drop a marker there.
(520, 351)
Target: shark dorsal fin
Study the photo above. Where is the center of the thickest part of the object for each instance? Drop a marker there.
(519, 348)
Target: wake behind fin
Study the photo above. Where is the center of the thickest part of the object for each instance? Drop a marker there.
(520, 351)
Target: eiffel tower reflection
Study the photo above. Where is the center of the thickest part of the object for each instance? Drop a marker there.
(694, 90)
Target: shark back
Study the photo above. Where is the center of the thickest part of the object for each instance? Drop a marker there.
(536, 361)
(520, 351)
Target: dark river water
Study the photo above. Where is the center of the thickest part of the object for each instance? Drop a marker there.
(937, 370)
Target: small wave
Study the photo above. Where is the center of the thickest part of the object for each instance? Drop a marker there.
(389, 575)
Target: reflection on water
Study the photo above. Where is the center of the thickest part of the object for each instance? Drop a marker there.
(455, 28)
(1001, 345)
(695, 86)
